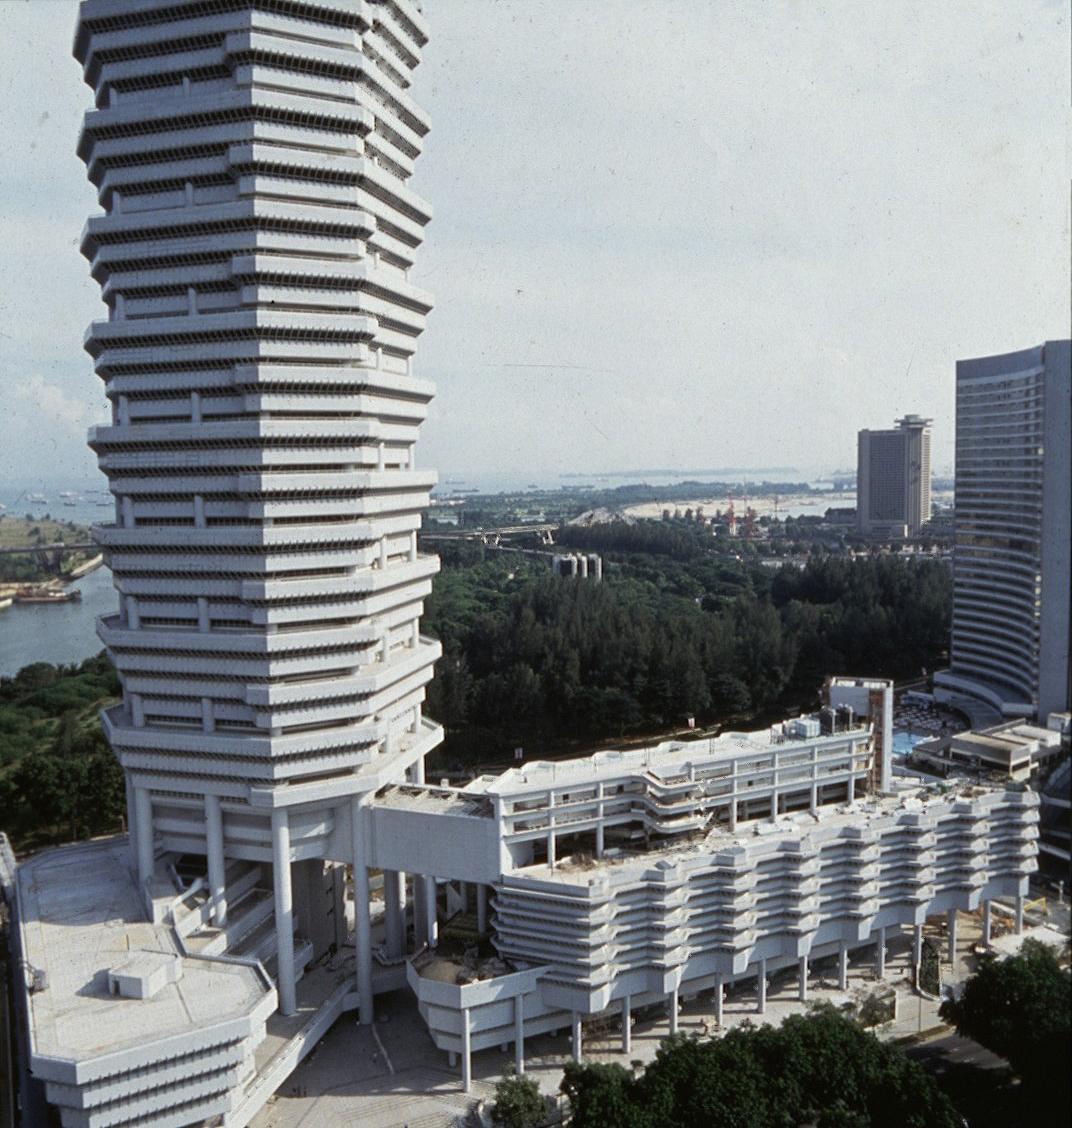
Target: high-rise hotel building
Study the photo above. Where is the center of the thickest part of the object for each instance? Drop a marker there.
(1013, 555)
(893, 478)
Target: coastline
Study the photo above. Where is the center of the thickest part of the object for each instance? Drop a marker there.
(84, 569)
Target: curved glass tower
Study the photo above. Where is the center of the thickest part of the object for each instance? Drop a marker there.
(1012, 566)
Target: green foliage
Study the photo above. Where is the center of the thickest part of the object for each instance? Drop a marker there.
(520, 1104)
(59, 776)
(1020, 1009)
(814, 1069)
(537, 660)
(929, 978)
(877, 1009)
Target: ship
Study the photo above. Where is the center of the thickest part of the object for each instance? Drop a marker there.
(49, 595)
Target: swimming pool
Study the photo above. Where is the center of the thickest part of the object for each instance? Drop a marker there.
(904, 742)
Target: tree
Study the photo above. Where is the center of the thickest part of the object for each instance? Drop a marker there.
(1019, 1008)
(602, 1096)
(520, 1104)
(816, 1069)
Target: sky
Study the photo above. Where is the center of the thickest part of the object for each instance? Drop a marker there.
(668, 234)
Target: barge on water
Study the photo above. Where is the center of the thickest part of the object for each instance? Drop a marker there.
(29, 595)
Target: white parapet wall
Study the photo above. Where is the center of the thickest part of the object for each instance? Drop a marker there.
(124, 1028)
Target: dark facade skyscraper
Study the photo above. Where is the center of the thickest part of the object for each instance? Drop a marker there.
(893, 478)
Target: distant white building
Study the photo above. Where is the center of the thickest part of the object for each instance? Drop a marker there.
(1014, 749)
(1012, 557)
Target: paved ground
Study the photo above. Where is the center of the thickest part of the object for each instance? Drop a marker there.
(391, 1075)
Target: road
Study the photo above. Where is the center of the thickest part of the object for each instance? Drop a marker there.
(952, 1052)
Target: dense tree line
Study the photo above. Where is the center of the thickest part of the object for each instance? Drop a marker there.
(534, 659)
(818, 1069)
(679, 540)
(58, 776)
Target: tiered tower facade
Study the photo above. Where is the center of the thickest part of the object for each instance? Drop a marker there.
(251, 158)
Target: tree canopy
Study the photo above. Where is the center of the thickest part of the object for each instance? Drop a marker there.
(818, 1069)
(520, 1104)
(538, 660)
(1020, 1009)
(58, 777)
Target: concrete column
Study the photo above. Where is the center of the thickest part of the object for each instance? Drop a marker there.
(420, 911)
(672, 1002)
(951, 937)
(143, 826)
(843, 966)
(214, 855)
(362, 921)
(802, 976)
(719, 998)
(284, 911)
(551, 848)
(1019, 914)
(519, 1034)
(431, 921)
(986, 922)
(199, 511)
(917, 944)
(627, 1019)
(852, 783)
(467, 1053)
(204, 623)
(577, 1045)
(599, 824)
(733, 795)
(481, 909)
(394, 919)
(132, 818)
(774, 805)
(880, 955)
(761, 988)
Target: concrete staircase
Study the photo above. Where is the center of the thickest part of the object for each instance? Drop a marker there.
(249, 931)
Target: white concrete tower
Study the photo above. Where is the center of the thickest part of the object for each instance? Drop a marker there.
(251, 159)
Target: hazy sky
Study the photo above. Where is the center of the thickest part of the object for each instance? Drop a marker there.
(673, 233)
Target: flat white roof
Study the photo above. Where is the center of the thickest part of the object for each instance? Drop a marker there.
(81, 916)
(859, 814)
(667, 760)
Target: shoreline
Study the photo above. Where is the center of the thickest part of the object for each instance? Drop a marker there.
(762, 506)
(9, 589)
(84, 569)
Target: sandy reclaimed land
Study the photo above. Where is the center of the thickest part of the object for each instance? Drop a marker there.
(790, 504)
